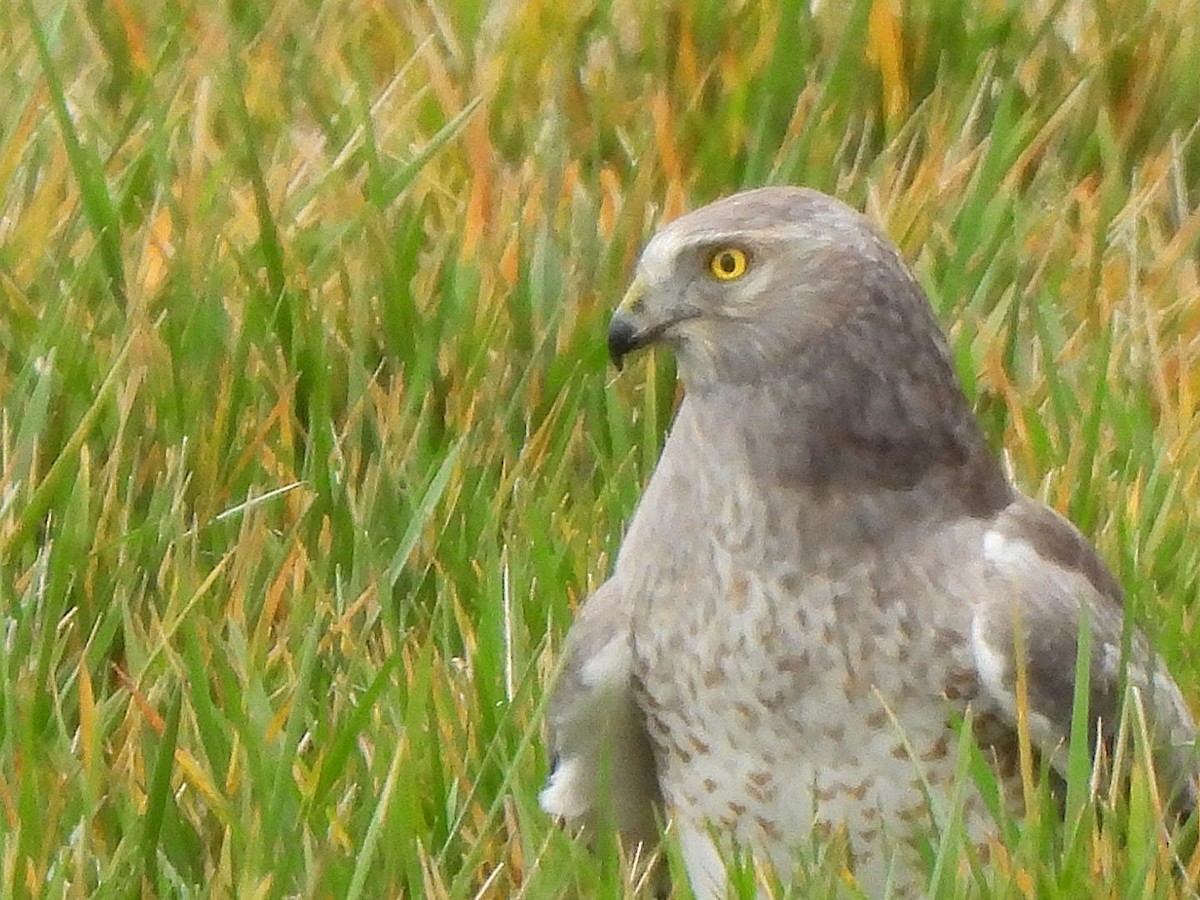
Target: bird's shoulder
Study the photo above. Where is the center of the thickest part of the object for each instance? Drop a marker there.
(1028, 539)
(597, 652)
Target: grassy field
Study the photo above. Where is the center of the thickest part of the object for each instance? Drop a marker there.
(309, 446)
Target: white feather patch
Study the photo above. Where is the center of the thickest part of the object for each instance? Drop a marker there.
(1004, 552)
(569, 793)
(609, 667)
(991, 665)
(997, 672)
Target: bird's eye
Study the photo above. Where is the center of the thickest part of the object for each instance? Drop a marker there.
(727, 264)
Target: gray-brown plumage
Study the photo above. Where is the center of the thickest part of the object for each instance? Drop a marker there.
(826, 570)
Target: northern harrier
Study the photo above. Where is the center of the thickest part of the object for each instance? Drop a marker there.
(827, 569)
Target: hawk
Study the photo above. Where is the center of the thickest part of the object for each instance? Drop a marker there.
(827, 571)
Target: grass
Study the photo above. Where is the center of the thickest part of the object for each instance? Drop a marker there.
(308, 444)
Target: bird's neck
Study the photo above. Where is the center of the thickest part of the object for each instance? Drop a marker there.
(856, 417)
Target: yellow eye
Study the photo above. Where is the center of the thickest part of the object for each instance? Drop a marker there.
(727, 264)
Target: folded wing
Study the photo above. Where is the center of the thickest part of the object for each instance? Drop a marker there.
(1044, 578)
(603, 764)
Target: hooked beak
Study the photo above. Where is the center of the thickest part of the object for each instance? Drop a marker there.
(627, 331)
(623, 337)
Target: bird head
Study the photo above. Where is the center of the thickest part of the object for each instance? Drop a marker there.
(796, 324)
(736, 286)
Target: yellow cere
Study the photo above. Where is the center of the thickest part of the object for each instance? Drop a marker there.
(727, 264)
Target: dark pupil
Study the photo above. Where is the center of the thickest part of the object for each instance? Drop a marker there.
(727, 263)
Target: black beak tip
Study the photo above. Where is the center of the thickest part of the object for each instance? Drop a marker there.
(622, 338)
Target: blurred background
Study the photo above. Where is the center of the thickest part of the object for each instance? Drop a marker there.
(309, 446)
